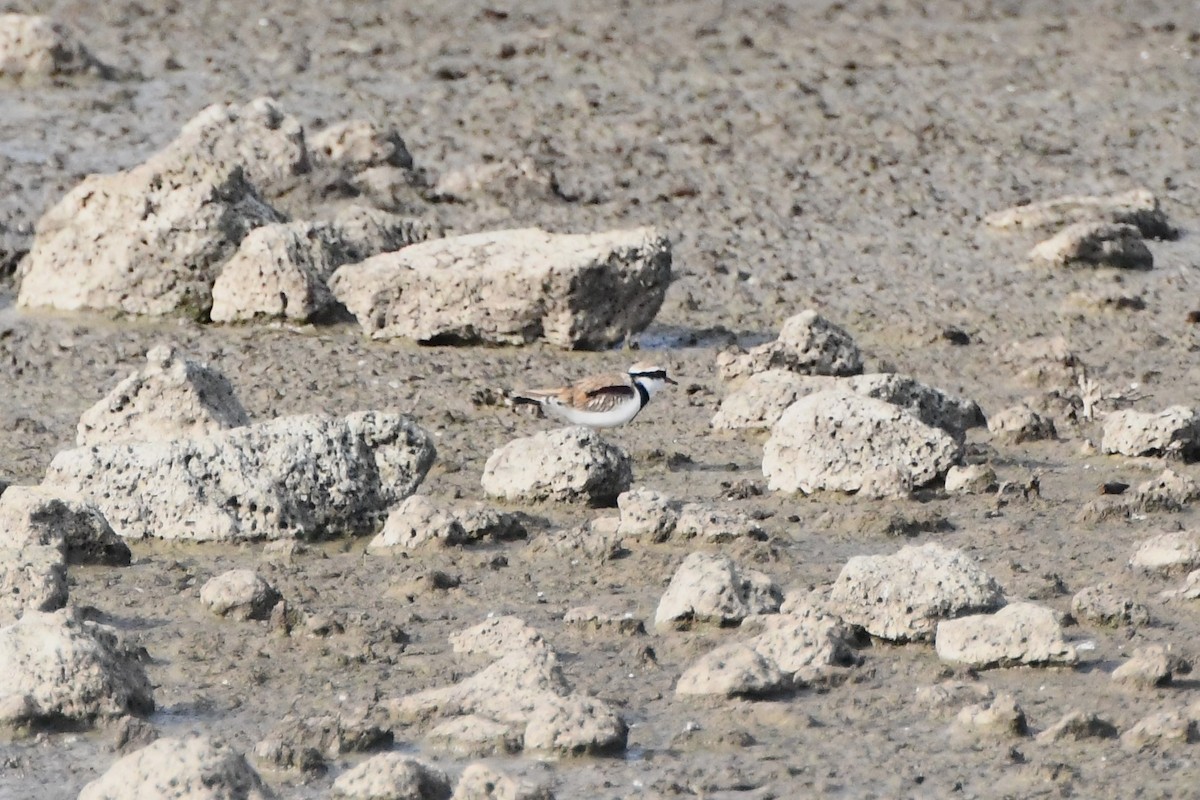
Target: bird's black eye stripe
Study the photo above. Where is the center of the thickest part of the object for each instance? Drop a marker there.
(661, 374)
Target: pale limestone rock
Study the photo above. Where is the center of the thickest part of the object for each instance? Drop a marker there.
(475, 736)
(1076, 726)
(1095, 244)
(1138, 207)
(33, 577)
(1175, 551)
(307, 744)
(597, 619)
(902, 597)
(299, 477)
(171, 398)
(482, 782)
(942, 698)
(500, 636)
(416, 522)
(358, 144)
(807, 344)
(1020, 423)
(565, 465)
(35, 515)
(69, 669)
(835, 441)
(1020, 633)
(36, 47)
(1162, 729)
(970, 479)
(709, 588)
(1104, 605)
(512, 287)
(395, 776)
(240, 594)
(575, 725)
(1149, 667)
(647, 514)
(734, 669)
(1000, 717)
(1172, 433)
(188, 768)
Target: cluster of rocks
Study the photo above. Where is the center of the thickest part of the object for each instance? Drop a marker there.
(200, 228)
(1096, 231)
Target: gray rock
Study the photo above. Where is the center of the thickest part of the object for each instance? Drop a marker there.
(566, 465)
(941, 698)
(239, 593)
(835, 441)
(474, 736)
(1150, 667)
(807, 344)
(36, 47)
(1076, 726)
(32, 578)
(394, 776)
(1020, 423)
(970, 479)
(307, 744)
(99, 248)
(902, 597)
(1000, 718)
(1163, 728)
(482, 782)
(1020, 633)
(358, 144)
(512, 287)
(1104, 605)
(1172, 433)
(188, 768)
(35, 515)
(709, 588)
(1166, 553)
(171, 398)
(1137, 207)
(69, 669)
(418, 521)
(1095, 244)
(291, 477)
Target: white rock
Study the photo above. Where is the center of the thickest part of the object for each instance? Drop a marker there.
(714, 525)
(70, 669)
(1095, 244)
(32, 578)
(1150, 667)
(151, 239)
(808, 344)
(970, 479)
(482, 782)
(1174, 726)
(35, 515)
(1176, 551)
(394, 776)
(1020, 423)
(500, 636)
(291, 477)
(761, 399)
(647, 514)
(1000, 717)
(512, 287)
(1102, 604)
(593, 618)
(239, 593)
(1076, 726)
(733, 669)
(358, 144)
(36, 47)
(188, 768)
(836, 441)
(171, 398)
(416, 522)
(808, 646)
(1020, 633)
(1168, 491)
(1174, 433)
(1138, 207)
(575, 725)
(902, 597)
(472, 735)
(709, 588)
(568, 464)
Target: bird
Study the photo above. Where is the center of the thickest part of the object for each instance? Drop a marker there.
(599, 401)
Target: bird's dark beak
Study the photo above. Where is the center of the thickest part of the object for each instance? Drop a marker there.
(670, 380)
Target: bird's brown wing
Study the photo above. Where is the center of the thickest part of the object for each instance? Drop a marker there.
(600, 393)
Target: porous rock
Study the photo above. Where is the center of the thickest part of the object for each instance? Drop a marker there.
(1171, 433)
(1164, 728)
(647, 514)
(1095, 244)
(941, 698)
(1076, 726)
(1020, 633)
(970, 479)
(597, 619)
(734, 669)
(33, 46)
(500, 636)
(483, 782)
(761, 400)
(33, 577)
(710, 588)
(394, 776)
(472, 735)
(999, 717)
(575, 724)
(807, 344)
(171, 398)
(1151, 666)
(568, 464)
(35, 515)
(1168, 491)
(239, 593)
(512, 287)
(358, 144)
(187, 768)
(307, 744)
(1138, 207)
(902, 597)
(303, 477)
(151, 239)
(67, 669)
(418, 521)
(1104, 605)
(281, 271)
(1020, 423)
(836, 441)
(1174, 551)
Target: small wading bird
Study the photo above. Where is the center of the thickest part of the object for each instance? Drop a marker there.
(600, 401)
